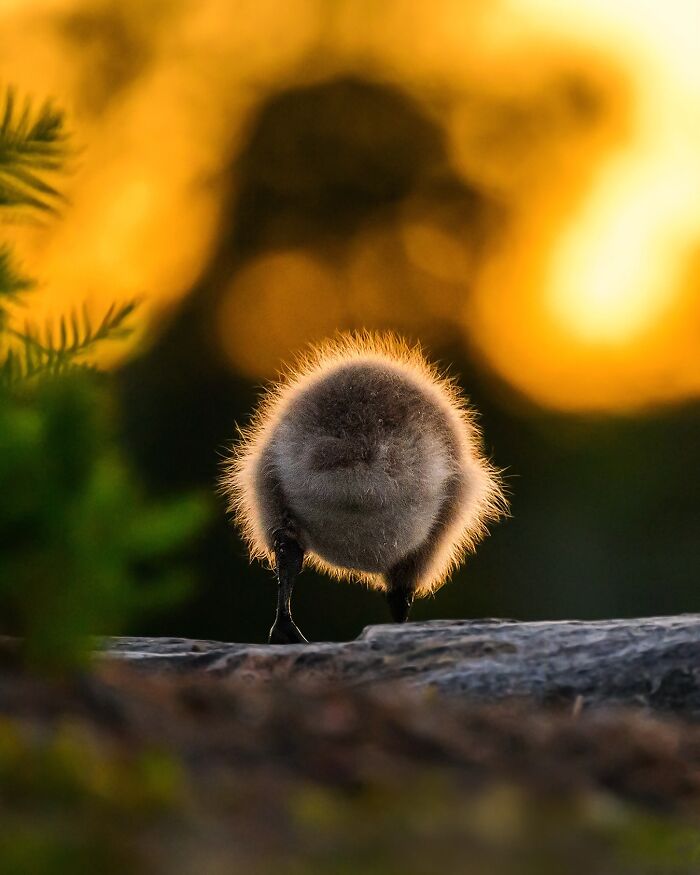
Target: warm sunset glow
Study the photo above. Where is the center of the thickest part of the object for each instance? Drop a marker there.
(599, 285)
(275, 306)
(580, 117)
(142, 206)
(618, 269)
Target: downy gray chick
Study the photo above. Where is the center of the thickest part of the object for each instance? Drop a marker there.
(365, 461)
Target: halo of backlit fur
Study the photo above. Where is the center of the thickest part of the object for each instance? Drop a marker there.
(486, 503)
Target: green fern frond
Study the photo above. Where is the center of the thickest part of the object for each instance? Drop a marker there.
(12, 284)
(31, 145)
(76, 334)
(55, 351)
(10, 370)
(19, 365)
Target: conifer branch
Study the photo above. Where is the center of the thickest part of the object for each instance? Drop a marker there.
(52, 351)
(31, 145)
(12, 284)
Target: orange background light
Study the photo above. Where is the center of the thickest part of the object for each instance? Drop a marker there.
(581, 118)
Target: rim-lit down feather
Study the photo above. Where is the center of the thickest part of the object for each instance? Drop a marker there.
(433, 439)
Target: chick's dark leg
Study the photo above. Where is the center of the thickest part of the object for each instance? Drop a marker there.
(403, 578)
(289, 557)
(400, 601)
(401, 583)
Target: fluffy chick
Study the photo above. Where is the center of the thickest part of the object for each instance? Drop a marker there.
(365, 460)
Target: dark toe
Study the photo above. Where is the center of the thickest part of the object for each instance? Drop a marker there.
(286, 633)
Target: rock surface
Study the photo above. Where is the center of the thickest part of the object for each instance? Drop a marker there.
(651, 662)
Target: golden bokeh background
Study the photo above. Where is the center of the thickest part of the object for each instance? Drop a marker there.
(578, 121)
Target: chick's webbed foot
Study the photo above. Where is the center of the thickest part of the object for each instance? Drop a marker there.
(286, 632)
(289, 558)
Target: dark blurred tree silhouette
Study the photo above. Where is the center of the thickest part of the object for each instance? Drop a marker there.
(321, 164)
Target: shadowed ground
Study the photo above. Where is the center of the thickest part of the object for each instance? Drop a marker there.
(650, 662)
(466, 747)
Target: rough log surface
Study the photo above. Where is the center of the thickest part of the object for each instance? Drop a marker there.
(651, 662)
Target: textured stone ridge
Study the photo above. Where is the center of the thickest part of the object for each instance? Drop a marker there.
(651, 662)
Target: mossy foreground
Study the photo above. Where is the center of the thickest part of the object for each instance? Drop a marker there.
(120, 773)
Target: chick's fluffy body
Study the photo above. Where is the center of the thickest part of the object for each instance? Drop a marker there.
(369, 458)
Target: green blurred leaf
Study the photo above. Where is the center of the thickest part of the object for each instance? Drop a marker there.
(76, 528)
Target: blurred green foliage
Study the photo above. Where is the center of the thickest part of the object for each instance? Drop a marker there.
(73, 798)
(69, 801)
(81, 549)
(75, 527)
(501, 828)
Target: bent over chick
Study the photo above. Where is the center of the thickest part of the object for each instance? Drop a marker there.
(365, 462)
